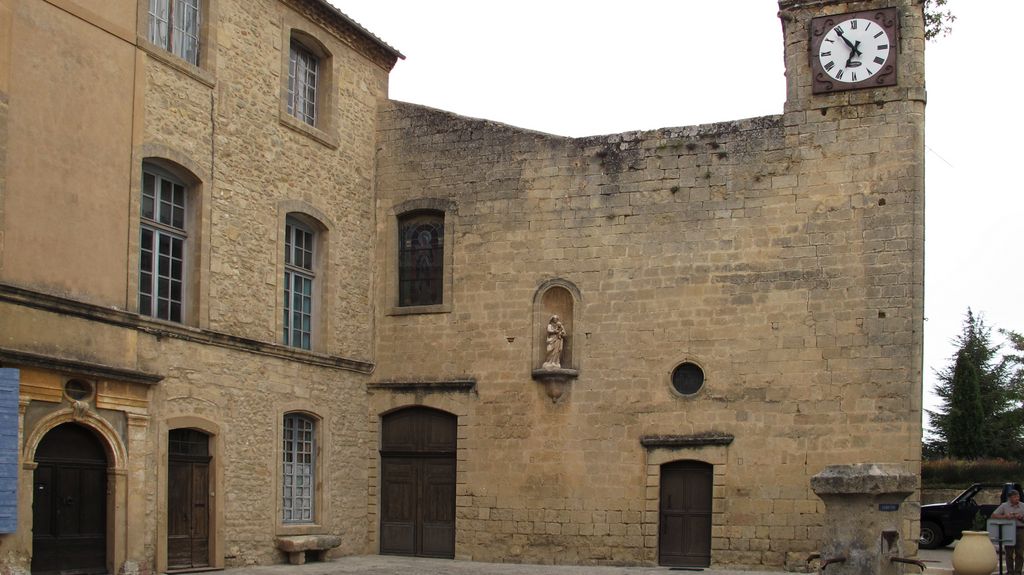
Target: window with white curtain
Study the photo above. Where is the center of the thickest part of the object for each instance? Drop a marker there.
(174, 26)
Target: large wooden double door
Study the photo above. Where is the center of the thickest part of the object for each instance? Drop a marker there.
(188, 499)
(69, 503)
(418, 483)
(685, 514)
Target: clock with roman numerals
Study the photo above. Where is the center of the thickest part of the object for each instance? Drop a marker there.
(855, 50)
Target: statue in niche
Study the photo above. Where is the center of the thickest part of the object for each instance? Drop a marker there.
(556, 339)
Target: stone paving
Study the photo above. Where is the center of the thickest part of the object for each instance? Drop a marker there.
(387, 565)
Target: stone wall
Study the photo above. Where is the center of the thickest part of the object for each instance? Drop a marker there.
(782, 254)
(262, 165)
(85, 100)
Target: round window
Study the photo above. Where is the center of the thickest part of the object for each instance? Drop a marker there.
(688, 378)
(77, 389)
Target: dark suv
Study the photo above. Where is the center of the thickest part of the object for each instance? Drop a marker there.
(942, 523)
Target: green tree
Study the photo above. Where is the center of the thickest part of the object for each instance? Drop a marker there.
(937, 19)
(1015, 359)
(965, 419)
(979, 415)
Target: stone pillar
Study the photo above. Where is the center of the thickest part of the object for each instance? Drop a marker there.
(862, 518)
(136, 479)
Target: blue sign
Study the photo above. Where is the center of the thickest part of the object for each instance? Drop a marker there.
(888, 506)
(9, 450)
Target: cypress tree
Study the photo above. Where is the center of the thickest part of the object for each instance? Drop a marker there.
(965, 421)
(978, 416)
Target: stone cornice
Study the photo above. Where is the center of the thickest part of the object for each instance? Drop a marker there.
(91, 312)
(679, 441)
(451, 386)
(813, 4)
(76, 367)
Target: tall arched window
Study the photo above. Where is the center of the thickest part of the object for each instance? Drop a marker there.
(163, 235)
(421, 259)
(299, 277)
(299, 468)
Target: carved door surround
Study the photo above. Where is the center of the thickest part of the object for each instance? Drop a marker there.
(60, 473)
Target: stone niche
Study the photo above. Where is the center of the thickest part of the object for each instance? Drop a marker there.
(561, 298)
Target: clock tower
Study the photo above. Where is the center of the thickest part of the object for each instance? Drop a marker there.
(852, 52)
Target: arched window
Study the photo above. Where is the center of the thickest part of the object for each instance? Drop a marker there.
(299, 468)
(421, 259)
(299, 278)
(303, 75)
(163, 235)
(308, 81)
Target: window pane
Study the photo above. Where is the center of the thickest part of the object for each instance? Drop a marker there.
(162, 252)
(158, 22)
(297, 493)
(421, 259)
(146, 261)
(169, 276)
(298, 296)
(302, 80)
(190, 50)
(147, 195)
(288, 231)
(178, 217)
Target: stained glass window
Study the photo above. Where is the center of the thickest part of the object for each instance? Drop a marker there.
(421, 259)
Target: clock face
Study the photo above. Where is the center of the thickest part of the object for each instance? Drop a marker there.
(854, 50)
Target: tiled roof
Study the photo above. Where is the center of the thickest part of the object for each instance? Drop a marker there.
(362, 29)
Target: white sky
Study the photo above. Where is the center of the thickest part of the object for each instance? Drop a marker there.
(587, 67)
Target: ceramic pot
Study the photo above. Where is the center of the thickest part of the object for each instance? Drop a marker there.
(974, 554)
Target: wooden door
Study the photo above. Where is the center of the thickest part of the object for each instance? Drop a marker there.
(418, 483)
(69, 504)
(685, 514)
(188, 499)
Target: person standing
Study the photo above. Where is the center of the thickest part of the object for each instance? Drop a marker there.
(1013, 509)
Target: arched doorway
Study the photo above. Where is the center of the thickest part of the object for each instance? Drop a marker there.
(418, 483)
(69, 503)
(188, 499)
(684, 538)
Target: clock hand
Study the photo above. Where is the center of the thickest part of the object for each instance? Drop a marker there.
(853, 52)
(848, 43)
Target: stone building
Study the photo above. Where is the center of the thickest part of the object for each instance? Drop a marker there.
(251, 307)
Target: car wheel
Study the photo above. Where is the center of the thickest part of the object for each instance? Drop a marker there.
(931, 535)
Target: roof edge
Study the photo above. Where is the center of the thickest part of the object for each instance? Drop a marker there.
(369, 35)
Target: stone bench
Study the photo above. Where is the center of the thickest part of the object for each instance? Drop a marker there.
(297, 546)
